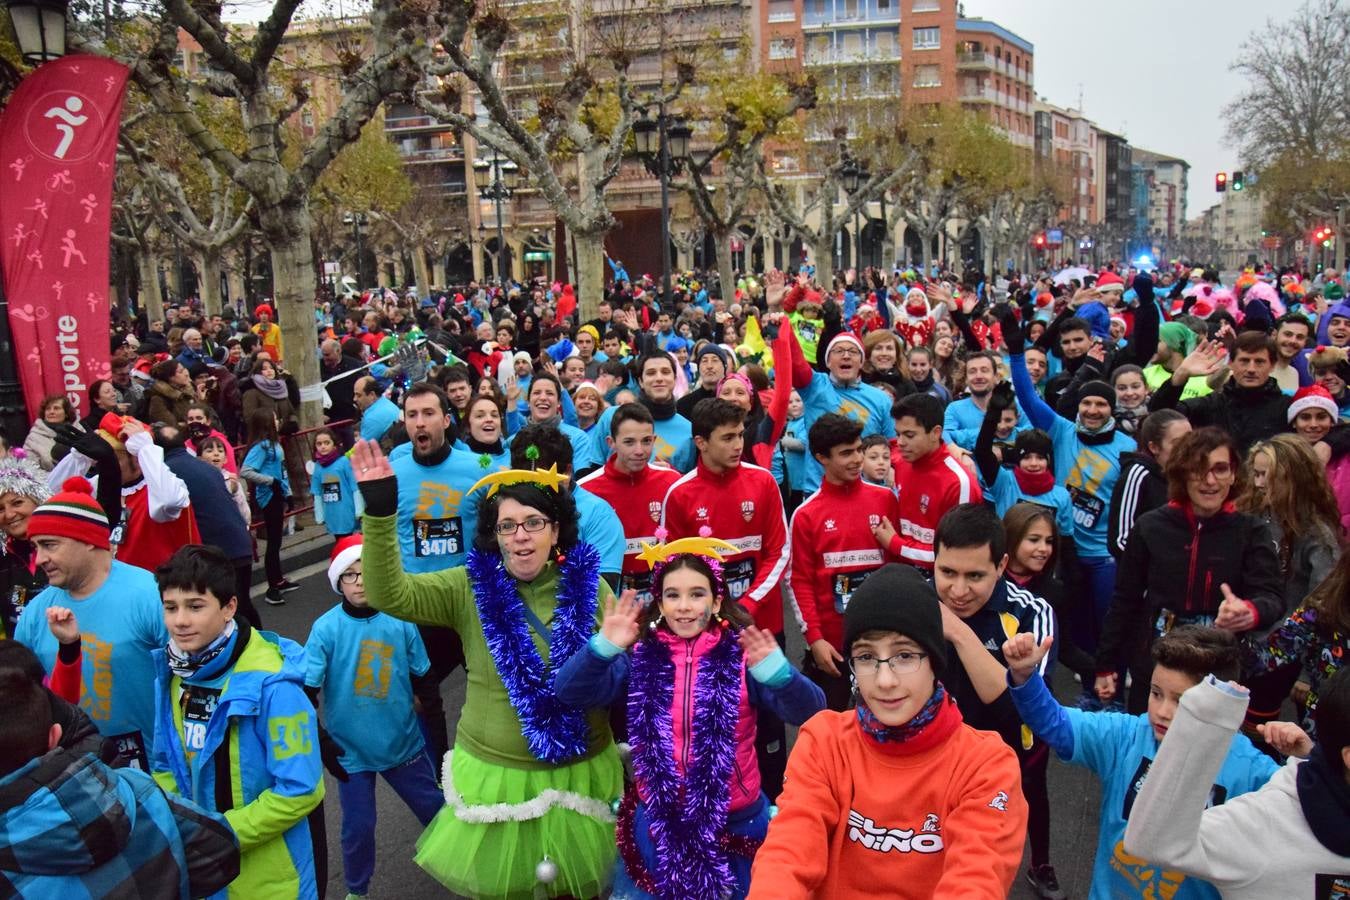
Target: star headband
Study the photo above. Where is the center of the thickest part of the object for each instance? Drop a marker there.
(705, 546)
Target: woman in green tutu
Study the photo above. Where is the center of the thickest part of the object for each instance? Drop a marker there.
(530, 782)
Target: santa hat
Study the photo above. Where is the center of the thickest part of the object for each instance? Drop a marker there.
(845, 338)
(916, 298)
(345, 552)
(1110, 281)
(74, 514)
(1314, 396)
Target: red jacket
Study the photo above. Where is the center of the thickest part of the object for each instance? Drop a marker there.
(742, 506)
(928, 488)
(833, 550)
(147, 543)
(940, 815)
(638, 500)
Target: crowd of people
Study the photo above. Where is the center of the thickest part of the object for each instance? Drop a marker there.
(948, 486)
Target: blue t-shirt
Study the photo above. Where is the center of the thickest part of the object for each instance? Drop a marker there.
(866, 404)
(1007, 493)
(1088, 471)
(334, 485)
(435, 529)
(378, 418)
(1119, 748)
(962, 420)
(364, 667)
(267, 458)
(599, 526)
(120, 624)
(672, 435)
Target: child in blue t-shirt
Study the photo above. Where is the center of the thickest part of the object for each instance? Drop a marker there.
(1120, 748)
(369, 666)
(337, 502)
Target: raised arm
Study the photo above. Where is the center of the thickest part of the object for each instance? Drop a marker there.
(1037, 410)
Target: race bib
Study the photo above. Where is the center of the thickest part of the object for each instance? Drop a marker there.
(437, 537)
(640, 582)
(198, 706)
(115, 537)
(844, 586)
(739, 576)
(332, 491)
(130, 749)
(1087, 509)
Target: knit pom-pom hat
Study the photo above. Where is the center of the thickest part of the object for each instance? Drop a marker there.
(73, 513)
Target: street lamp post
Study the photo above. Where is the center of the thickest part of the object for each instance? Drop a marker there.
(855, 175)
(663, 145)
(40, 28)
(496, 181)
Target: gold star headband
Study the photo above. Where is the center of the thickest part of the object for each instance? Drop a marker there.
(545, 478)
(710, 547)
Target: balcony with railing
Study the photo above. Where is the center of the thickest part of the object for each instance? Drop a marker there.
(975, 60)
(851, 56)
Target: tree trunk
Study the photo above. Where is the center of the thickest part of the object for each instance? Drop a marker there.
(152, 301)
(925, 251)
(208, 263)
(726, 269)
(588, 273)
(421, 272)
(822, 255)
(293, 282)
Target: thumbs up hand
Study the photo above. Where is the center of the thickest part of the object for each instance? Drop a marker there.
(1235, 614)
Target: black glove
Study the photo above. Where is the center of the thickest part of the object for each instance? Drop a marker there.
(1003, 397)
(1013, 338)
(833, 315)
(86, 442)
(329, 752)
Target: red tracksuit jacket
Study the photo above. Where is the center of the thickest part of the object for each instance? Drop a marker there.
(638, 501)
(833, 551)
(742, 506)
(928, 488)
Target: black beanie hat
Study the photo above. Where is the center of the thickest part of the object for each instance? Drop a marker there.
(1143, 287)
(1098, 389)
(1034, 441)
(897, 598)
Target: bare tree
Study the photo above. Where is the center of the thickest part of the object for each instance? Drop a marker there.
(1298, 85)
(581, 126)
(277, 178)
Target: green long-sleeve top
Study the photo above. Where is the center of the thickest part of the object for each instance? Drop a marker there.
(488, 726)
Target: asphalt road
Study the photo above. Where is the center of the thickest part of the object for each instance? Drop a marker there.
(1074, 793)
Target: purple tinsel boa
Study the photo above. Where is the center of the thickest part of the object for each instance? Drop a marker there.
(687, 815)
(555, 732)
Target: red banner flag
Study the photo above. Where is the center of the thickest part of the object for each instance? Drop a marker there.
(58, 153)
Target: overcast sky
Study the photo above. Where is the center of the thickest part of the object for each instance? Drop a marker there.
(1153, 70)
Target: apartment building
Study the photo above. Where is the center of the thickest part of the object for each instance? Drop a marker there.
(1164, 180)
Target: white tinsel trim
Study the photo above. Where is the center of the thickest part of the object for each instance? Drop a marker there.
(529, 810)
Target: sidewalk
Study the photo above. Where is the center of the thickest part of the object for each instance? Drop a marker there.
(306, 547)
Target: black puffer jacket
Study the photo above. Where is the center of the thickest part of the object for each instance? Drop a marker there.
(1177, 562)
(1248, 414)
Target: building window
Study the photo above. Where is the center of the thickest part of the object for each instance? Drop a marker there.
(818, 7)
(307, 119)
(883, 5)
(782, 11)
(782, 48)
(924, 6)
(850, 9)
(927, 38)
(927, 76)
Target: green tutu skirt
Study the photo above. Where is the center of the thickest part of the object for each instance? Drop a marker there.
(499, 824)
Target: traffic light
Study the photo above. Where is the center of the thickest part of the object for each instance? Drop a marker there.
(1323, 235)
(1040, 240)
(1237, 181)
(1221, 182)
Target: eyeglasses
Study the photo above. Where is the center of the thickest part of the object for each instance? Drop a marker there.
(1220, 471)
(532, 525)
(350, 577)
(902, 663)
(846, 350)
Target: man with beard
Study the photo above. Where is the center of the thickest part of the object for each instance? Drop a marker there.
(963, 418)
(711, 363)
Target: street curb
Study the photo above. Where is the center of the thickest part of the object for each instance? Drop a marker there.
(297, 554)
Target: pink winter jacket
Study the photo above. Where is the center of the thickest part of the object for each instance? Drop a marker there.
(686, 655)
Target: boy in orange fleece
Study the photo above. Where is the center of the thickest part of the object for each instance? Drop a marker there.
(899, 792)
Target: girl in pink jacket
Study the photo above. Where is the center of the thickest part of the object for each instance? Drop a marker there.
(690, 826)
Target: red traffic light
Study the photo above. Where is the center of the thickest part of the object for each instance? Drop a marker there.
(1040, 240)
(1221, 181)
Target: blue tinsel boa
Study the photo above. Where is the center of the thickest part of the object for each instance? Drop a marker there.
(555, 732)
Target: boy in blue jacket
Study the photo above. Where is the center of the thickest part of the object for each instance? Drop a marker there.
(369, 666)
(235, 732)
(1120, 748)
